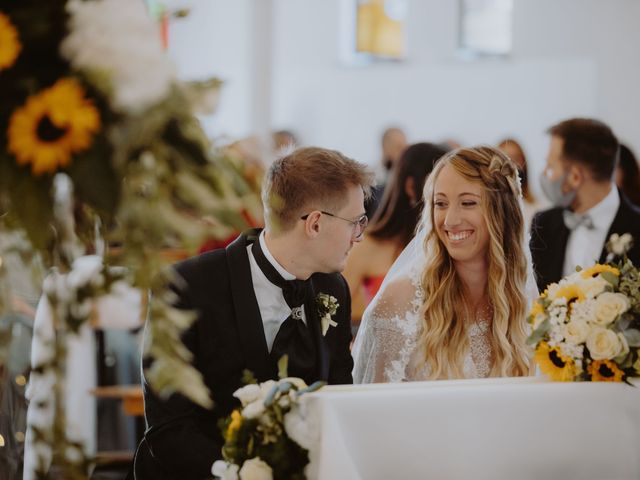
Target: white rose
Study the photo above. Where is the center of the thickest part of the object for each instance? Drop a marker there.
(254, 409)
(604, 344)
(302, 424)
(576, 331)
(636, 365)
(266, 387)
(608, 306)
(255, 469)
(225, 470)
(593, 286)
(247, 394)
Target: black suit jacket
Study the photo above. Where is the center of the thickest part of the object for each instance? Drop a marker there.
(182, 439)
(549, 237)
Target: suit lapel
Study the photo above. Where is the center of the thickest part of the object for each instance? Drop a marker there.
(247, 312)
(560, 234)
(322, 351)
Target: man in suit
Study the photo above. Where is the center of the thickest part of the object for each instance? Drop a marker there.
(588, 208)
(256, 301)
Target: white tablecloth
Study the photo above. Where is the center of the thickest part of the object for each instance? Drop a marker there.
(480, 429)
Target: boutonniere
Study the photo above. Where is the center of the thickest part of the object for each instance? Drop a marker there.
(327, 308)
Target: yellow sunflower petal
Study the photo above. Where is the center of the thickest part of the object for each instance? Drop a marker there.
(597, 269)
(570, 293)
(10, 45)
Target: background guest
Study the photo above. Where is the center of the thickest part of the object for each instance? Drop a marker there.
(588, 209)
(515, 152)
(392, 226)
(628, 174)
(394, 142)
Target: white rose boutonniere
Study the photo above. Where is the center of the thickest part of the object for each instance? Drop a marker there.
(620, 244)
(327, 308)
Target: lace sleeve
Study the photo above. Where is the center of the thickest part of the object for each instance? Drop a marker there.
(388, 333)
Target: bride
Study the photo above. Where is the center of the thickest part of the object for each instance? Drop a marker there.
(454, 304)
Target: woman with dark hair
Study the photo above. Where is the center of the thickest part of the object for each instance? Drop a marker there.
(392, 226)
(515, 152)
(628, 174)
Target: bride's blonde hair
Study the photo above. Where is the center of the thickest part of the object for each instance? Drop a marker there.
(444, 309)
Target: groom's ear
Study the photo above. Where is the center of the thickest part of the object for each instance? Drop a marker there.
(312, 223)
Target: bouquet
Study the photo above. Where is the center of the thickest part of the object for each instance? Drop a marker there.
(586, 327)
(272, 435)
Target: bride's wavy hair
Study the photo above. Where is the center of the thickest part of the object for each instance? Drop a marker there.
(444, 309)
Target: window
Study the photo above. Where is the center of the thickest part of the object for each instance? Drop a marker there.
(485, 27)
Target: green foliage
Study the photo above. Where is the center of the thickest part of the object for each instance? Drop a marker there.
(146, 180)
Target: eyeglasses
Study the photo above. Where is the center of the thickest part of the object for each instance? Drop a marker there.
(359, 224)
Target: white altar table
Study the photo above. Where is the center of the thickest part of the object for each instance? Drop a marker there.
(494, 429)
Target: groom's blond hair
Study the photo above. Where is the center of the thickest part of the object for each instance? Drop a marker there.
(309, 178)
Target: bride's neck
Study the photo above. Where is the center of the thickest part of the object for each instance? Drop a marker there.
(474, 277)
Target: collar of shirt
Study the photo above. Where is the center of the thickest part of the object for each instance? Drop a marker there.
(281, 270)
(603, 213)
(273, 308)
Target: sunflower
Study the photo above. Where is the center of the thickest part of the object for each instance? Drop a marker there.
(605, 371)
(9, 42)
(554, 364)
(599, 268)
(51, 126)
(571, 293)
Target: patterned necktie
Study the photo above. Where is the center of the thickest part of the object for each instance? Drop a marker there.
(574, 220)
(294, 338)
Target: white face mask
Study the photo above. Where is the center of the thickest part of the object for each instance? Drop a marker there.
(553, 190)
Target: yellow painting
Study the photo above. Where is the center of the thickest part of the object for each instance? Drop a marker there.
(380, 28)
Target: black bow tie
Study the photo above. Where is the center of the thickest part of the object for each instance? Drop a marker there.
(295, 291)
(574, 220)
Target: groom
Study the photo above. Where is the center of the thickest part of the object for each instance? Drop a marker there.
(256, 301)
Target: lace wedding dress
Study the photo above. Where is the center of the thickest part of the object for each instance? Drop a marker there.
(386, 347)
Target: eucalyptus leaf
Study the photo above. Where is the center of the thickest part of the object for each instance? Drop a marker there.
(614, 280)
(539, 333)
(283, 367)
(271, 396)
(313, 387)
(632, 336)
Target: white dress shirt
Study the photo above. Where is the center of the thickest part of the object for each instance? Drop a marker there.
(585, 245)
(273, 308)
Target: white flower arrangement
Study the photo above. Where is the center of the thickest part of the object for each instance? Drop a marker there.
(118, 39)
(327, 308)
(587, 326)
(273, 422)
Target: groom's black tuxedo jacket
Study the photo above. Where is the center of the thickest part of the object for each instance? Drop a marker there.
(182, 439)
(549, 237)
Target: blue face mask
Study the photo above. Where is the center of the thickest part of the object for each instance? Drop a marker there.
(553, 191)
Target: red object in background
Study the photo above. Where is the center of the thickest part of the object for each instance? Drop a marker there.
(164, 30)
(216, 243)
